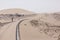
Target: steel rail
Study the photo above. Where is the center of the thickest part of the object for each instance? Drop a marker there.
(18, 29)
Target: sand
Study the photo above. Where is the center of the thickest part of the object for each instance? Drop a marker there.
(43, 26)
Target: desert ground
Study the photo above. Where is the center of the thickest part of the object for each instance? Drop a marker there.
(19, 24)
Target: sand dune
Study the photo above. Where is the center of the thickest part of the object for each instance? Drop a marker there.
(15, 10)
(29, 26)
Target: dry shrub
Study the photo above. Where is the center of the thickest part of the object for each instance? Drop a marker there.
(34, 22)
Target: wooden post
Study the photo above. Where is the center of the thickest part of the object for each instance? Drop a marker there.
(12, 19)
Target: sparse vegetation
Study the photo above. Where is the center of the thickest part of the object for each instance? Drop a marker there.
(34, 23)
(11, 17)
(58, 37)
(47, 28)
(56, 16)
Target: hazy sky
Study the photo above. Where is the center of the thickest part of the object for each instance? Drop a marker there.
(32, 5)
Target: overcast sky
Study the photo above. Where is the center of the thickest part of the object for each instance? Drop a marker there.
(32, 5)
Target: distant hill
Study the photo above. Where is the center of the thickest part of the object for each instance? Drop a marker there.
(15, 10)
